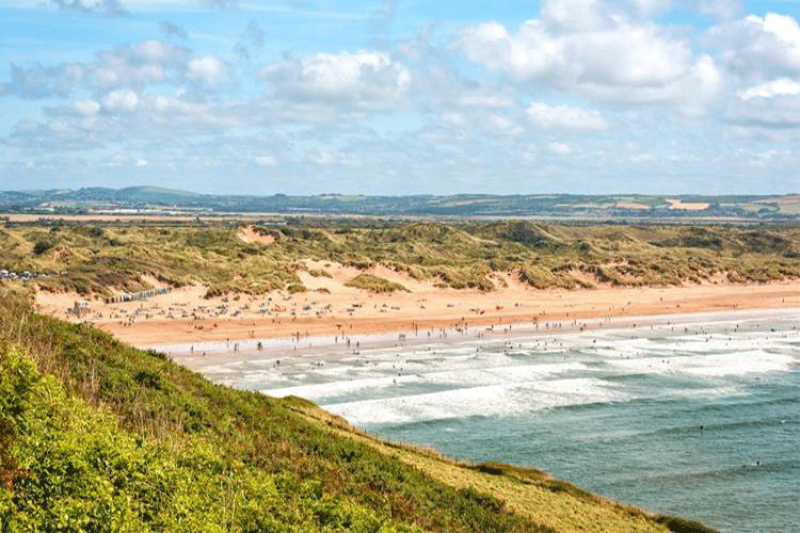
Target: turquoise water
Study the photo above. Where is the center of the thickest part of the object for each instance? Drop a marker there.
(700, 419)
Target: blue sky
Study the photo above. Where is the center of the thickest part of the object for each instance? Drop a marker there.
(401, 97)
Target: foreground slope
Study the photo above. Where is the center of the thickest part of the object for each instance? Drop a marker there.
(98, 436)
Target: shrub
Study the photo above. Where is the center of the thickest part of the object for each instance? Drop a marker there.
(372, 283)
(41, 247)
(296, 288)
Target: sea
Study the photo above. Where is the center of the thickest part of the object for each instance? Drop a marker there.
(693, 415)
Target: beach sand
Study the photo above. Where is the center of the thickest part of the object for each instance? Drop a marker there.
(330, 308)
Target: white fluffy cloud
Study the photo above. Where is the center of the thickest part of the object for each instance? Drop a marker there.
(545, 116)
(131, 67)
(779, 87)
(156, 51)
(150, 61)
(38, 81)
(600, 55)
(363, 77)
(648, 8)
(559, 148)
(121, 100)
(208, 70)
(329, 157)
(540, 100)
(86, 107)
(574, 15)
(758, 47)
(503, 125)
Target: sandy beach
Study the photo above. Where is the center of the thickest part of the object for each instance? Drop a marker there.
(331, 309)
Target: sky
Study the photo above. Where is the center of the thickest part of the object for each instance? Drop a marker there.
(402, 96)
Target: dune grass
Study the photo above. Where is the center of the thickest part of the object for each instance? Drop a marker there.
(456, 255)
(371, 283)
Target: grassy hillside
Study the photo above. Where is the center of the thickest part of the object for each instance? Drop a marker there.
(95, 259)
(97, 436)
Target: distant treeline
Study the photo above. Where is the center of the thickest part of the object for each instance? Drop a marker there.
(634, 207)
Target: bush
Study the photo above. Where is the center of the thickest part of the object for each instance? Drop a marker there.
(372, 283)
(296, 288)
(41, 247)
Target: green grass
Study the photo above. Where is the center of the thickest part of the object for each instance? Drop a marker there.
(371, 283)
(98, 436)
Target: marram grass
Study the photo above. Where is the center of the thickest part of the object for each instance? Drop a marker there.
(456, 255)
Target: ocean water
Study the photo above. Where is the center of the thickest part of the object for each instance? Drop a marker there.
(697, 419)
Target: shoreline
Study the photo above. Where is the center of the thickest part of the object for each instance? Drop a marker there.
(344, 313)
(325, 347)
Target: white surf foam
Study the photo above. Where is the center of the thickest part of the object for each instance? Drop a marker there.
(321, 391)
(457, 379)
(738, 363)
(493, 400)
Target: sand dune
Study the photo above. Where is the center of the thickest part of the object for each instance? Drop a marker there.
(250, 236)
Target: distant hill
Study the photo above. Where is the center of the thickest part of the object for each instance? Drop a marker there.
(128, 195)
(145, 195)
(554, 206)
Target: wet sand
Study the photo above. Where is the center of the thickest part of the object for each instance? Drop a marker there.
(287, 351)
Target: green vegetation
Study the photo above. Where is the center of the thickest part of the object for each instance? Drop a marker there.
(41, 247)
(372, 283)
(97, 436)
(319, 273)
(93, 259)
